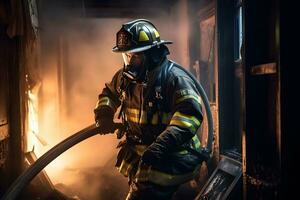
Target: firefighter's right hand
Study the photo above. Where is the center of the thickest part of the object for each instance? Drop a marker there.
(104, 119)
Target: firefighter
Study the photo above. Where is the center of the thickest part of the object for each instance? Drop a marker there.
(161, 111)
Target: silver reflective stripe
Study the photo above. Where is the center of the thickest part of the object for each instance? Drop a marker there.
(183, 95)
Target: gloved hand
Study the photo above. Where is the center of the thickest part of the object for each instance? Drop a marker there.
(104, 119)
(152, 155)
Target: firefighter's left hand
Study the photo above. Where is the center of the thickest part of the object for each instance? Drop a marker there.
(152, 155)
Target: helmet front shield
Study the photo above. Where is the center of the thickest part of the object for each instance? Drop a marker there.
(137, 36)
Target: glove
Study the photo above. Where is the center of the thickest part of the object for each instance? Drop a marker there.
(104, 119)
(152, 155)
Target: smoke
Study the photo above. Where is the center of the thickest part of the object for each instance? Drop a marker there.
(76, 61)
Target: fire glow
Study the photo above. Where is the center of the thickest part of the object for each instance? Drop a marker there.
(37, 143)
(63, 104)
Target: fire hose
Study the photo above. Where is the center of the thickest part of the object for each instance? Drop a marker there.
(18, 185)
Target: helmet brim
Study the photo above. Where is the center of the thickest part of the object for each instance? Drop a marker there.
(140, 49)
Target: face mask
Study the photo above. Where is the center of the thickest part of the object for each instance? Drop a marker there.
(134, 67)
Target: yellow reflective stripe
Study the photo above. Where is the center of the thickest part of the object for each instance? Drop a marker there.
(196, 142)
(183, 152)
(188, 117)
(104, 101)
(133, 119)
(143, 36)
(133, 111)
(190, 96)
(183, 124)
(185, 94)
(185, 121)
(164, 179)
(143, 119)
(133, 116)
(156, 33)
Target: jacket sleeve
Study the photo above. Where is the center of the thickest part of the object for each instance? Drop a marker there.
(186, 116)
(109, 97)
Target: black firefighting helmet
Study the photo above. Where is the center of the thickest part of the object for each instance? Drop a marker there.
(136, 36)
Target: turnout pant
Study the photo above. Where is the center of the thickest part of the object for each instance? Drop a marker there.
(150, 191)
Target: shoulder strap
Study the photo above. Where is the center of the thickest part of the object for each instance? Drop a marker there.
(157, 98)
(161, 80)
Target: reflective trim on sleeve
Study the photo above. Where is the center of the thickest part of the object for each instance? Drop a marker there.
(105, 101)
(185, 121)
(188, 117)
(183, 95)
(183, 124)
(196, 142)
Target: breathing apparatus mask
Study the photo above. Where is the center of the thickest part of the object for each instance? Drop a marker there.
(135, 67)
